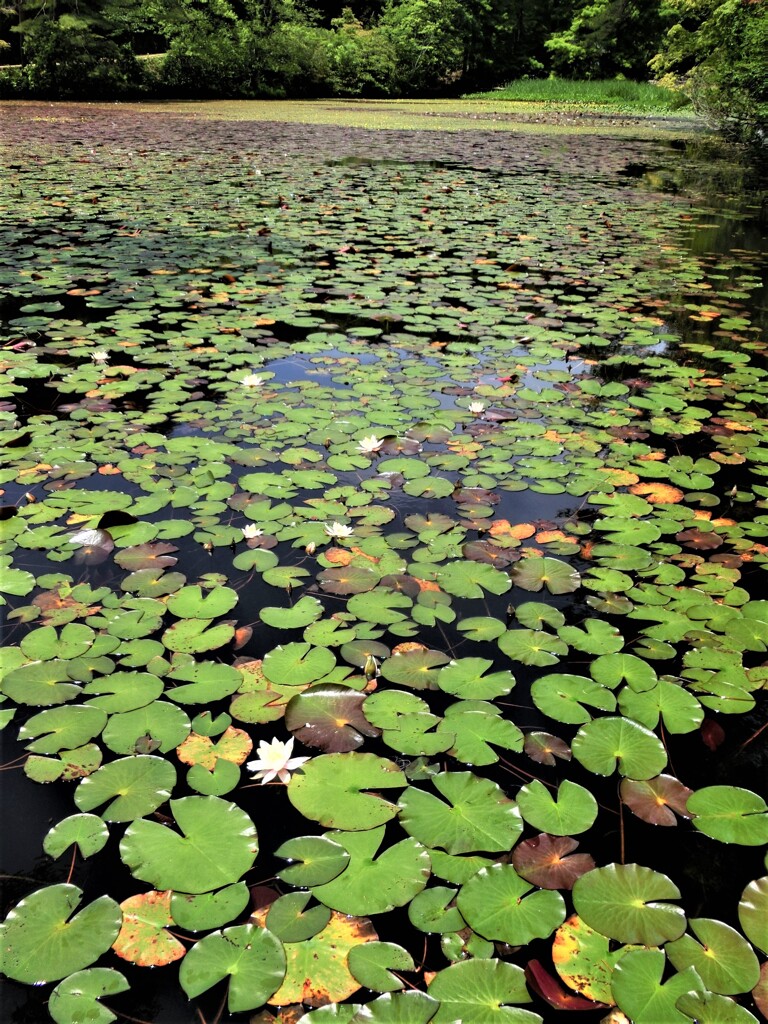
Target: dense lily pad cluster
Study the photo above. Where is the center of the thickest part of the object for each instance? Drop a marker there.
(445, 463)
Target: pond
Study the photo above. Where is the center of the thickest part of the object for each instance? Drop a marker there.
(384, 542)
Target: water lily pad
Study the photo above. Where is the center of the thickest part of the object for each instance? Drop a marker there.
(217, 846)
(477, 727)
(207, 910)
(730, 814)
(332, 789)
(290, 921)
(157, 726)
(144, 938)
(563, 696)
(252, 958)
(62, 728)
(481, 991)
(130, 787)
(76, 998)
(639, 991)
(475, 815)
(678, 708)
(320, 859)
(372, 884)
(656, 800)
(234, 745)
(318, 968)
(398, 1008)
(584, 960)
(330, 717)
(607, 744)
(429, 910)
(621, 901)
(297, 664)
(549, 862)
(533, 647)
(535, 573)
(418, 669)
(307, 609)
(496, 903)
(42, 941)
(372, 964)
(194, 636)
(723, 959)
(573, 810)
(194, 603)
(753, 912)
(86, 831)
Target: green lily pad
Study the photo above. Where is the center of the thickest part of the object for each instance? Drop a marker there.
(584, 960)
(159, 726)
(639, 991)
(475, 815)
(481, 991)
(194, 603)
(536, 573)
(194, 636)
(288, 919)
(76, 998)
(429, 911)
(477, 727)
(710, 1008)
(42, 941)
(372, 963)
(730, 814)
(562, 697)
(297, 664)
(62, 728)
(496, 904)
(87, 831)
(130, 787)
(307, 609)
(620, 901)
(217, 846)
(252, 958)
(332, 789)
(320, 859)
(753, 912)
(196, 913)
(533, 647)
(723, 959)
(397, 1008)
(373, 884)
(607, 744)
(574, 809)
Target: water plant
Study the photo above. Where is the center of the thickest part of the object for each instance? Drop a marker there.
(433, 469)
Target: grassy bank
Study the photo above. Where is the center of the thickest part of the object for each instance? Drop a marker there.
(617, 95)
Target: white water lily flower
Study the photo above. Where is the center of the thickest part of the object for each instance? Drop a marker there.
(477, 407)
(100, 357)
(251, 531)
(252, 380)
(369, 445)
(338, 530)
(91, 539)
(275, 761)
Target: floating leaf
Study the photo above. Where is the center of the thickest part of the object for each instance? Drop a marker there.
(574, 810)
(318, 968)
(730, 814)
(86, 831)
(372, 884)
(475, 815)
(131, 787)
(76, 998)
(321, 860)
(252, 958)
(42, 941)
(535, 573)
(710, 1008)
(288, 919)
(400, 1008)
(606, 744)
(481, 991)
(563, 696)
(544, 861)
(297, 664)
(144, 939)
(372, 964)
(620, 900)
(307, 609)
(477, 727)
(209, 909)
(496, 903)
(584, 960)
(638, 989)
(217, 847)
(330, 717)
(753, 912)
(652, 799)
(722, 958)
(332, 788)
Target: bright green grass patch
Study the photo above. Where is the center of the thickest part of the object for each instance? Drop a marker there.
(619, 94)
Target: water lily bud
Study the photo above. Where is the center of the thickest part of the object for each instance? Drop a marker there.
(370, 668)
(311, 548)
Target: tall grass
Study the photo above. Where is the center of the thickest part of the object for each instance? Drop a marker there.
(618, 94)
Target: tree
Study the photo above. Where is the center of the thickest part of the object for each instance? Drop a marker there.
(720, 49)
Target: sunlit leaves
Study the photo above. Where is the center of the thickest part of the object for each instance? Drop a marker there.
(252, 958)
(627, 902)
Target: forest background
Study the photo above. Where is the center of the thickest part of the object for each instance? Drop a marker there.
(711, 52)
